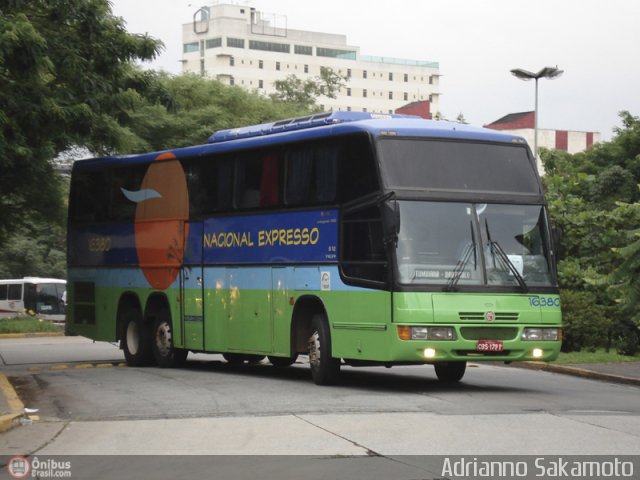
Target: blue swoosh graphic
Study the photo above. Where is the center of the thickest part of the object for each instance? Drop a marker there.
(141, 195)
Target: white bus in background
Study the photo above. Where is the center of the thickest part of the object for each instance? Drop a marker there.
(41, 297)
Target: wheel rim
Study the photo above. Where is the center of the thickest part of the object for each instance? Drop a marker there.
(314, 350)
(133, 338)
(163, 339)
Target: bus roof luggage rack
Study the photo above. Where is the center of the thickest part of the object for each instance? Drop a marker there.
(298, 123)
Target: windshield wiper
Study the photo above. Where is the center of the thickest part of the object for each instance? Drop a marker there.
(496, 248)
(456, 275)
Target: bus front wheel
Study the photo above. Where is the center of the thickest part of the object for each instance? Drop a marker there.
(136, 339)
(166, 355)
(450, 372)
(324, 368)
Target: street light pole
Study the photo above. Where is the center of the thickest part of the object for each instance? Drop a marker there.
(546, 72)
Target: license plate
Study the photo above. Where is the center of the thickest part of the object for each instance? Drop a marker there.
(490, 346)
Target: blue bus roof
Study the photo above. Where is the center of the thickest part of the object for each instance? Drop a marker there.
(316, 127)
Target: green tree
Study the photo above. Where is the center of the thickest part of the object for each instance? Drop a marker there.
(66, 78)
(304, 93)
(590, 196)
(183, 110)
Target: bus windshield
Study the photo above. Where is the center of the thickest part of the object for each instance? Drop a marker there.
(457, 166)
(478, 244)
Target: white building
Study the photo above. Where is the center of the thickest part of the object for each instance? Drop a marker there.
(241, 46)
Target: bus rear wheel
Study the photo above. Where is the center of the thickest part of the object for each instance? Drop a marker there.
(450, 372)
(136, 339)
(324, 368)
(166, 355)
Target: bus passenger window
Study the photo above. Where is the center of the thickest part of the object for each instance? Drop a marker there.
(257, 182)
(269, 184)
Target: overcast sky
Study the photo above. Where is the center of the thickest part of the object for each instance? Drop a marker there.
(476, 42)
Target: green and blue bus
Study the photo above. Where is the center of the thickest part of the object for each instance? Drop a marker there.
(354, 238)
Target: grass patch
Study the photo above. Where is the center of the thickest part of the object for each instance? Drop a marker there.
(599, 356)
(28, 325)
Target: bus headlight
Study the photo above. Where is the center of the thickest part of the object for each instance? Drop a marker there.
(426, 333)
(542, 334)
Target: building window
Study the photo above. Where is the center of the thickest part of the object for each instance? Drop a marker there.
(232, 81)
(364, 93)
(336, 53)
(348, 73)
(214, 42)
(390, 95)
(348, 92)
(235, 42)
(190, 47)
(391, 76)
(364, 109)
(348, 109)
(232, 61)
(430, 79)
(260, 83)
(202, 67)
(364, 74)
(260, 64)
(277, 65)
(306, 69)
(406, 77)
(430, 98)
(269, 46)
(406, 96)
(302, 50)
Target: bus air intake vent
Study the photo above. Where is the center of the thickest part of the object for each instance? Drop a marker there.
(489, 333)
(480, 316)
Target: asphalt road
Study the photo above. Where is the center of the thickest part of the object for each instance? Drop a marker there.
(90, 403)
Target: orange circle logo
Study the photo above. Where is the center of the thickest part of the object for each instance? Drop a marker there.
(161, 226)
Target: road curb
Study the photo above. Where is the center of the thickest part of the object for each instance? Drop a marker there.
(31, 335)
(14, 405)
(579, 372)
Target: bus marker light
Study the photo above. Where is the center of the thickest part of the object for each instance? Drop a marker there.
(537, 353)
(404, 332)
(429, 352)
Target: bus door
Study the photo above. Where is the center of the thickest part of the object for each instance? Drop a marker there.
(192, 291)
(280, 312)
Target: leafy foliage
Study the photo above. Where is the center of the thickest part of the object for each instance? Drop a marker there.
(66, 77)
(593, 197)
(304, 93)
(185, 110)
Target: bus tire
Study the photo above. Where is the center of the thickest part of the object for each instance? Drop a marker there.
(325, 369)
(282, 362)
(450, 372)
(136, 339)
(165, 354)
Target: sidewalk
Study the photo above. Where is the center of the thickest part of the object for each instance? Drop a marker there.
(626, 373)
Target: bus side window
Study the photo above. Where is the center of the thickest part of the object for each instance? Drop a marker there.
(363, 252)
(257, 182)
(3, 292)
(15, 291)
(311, 176)
(270, 182)
(358, 170)
(299, 169)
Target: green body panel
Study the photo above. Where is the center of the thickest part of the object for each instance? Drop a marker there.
(364, 323)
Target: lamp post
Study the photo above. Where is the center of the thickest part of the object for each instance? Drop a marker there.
(546, 72)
